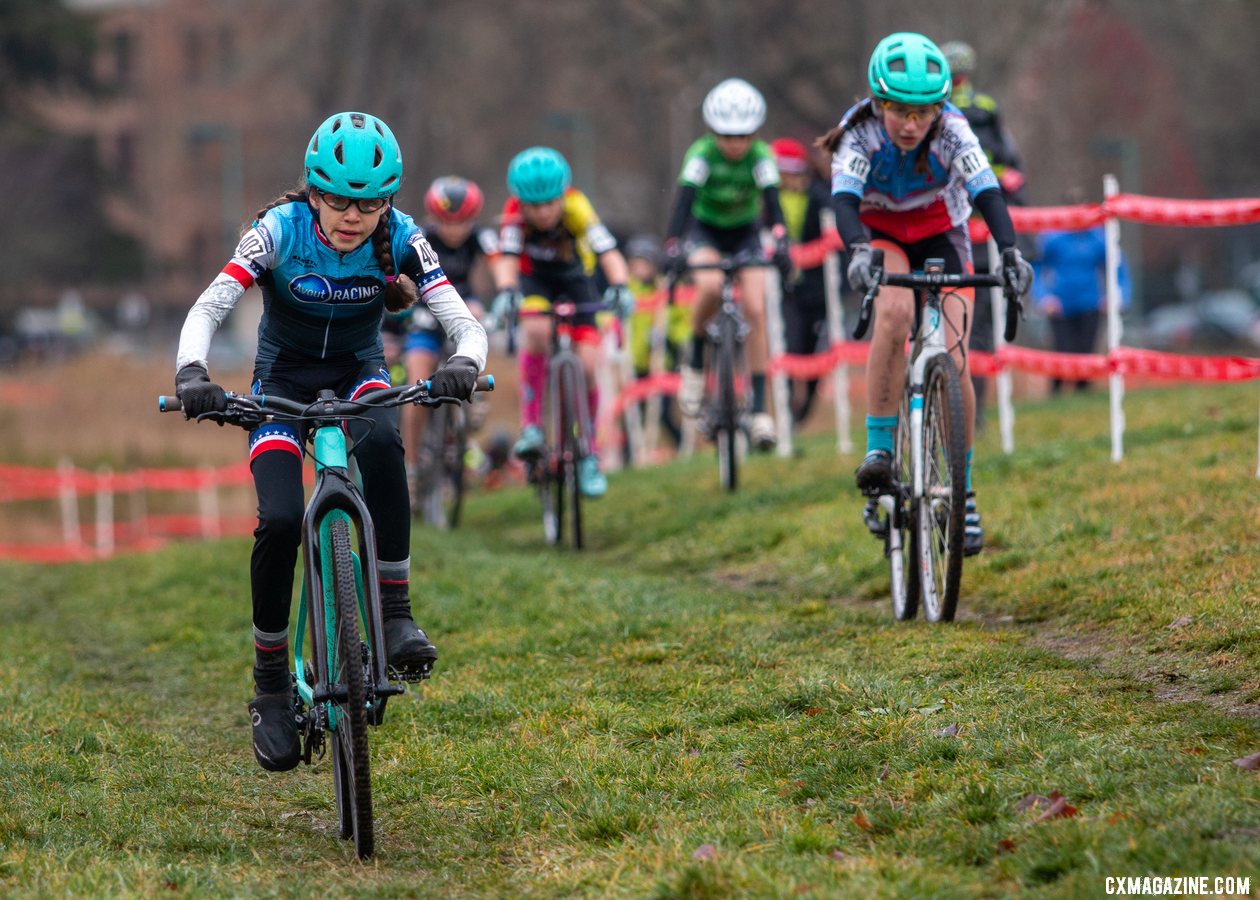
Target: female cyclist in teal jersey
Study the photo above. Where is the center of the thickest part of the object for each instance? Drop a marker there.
(329, 258)
(906, 170)
(728, 186)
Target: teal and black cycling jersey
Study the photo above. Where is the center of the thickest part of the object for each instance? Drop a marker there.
(318, 302)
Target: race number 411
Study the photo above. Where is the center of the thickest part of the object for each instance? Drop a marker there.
(1179, 886)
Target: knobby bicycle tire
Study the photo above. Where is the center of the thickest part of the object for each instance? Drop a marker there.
(549, 467)
(727, 430)
(571, 448)
(939, 519)
(902, 538)
(353, 772)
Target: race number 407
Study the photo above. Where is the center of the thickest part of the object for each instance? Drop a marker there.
(1179, 886)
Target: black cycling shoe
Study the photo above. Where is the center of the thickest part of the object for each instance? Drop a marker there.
(274, 720)
(973, 531)
(408, 650)
(875, 474)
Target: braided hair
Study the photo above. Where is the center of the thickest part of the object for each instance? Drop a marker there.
(400, 293)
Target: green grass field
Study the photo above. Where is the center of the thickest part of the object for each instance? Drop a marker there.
(713, 700)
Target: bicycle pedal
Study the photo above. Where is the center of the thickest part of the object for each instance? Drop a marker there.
(411, 675)
(877, 525)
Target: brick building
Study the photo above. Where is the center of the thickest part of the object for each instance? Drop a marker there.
(201, 120)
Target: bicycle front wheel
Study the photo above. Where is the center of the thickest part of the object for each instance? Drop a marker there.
(939, 517)
(442, 474)
(572, 447)
(727, 431)
(901, 540)
(347, 658)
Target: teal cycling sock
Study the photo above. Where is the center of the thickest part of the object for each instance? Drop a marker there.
(879, 432)
(968, 471)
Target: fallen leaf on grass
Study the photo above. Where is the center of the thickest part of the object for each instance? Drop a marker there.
(948, 731)
(705, 852)
(1116, 817)
(861, 821)
(1006, 845)
(1250, 763)
(813, 710)
(883, 773)
(1195, 750)
(1052, 807)
(1181, 622)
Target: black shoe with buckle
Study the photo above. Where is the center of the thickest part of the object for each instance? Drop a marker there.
(875, 474)
(274, 722)
(408, 649)
(973, 531)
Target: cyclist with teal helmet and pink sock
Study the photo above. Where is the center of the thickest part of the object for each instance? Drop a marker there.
(549, 243)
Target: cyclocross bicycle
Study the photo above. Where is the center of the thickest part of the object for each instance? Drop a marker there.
(438, 483)
(921, 520)
(723, 414)
(567, 429)
(344, 687)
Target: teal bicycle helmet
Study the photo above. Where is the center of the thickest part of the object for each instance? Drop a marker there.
(908, 68)
(538, 175)
(354, 155)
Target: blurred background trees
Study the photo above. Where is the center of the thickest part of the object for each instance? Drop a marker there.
(138, 136)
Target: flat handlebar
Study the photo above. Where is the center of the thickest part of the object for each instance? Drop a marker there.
(249, 406)
(935, 281)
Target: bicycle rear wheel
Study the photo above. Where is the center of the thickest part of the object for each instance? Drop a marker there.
(939, 518)
(902, 541)
(727, 433)
(351, 768)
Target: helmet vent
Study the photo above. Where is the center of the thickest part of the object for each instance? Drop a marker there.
(336, 126)
(379, 157)
(897, 65)
(339, 153)
(933, 67)
(356, 120)
(357, 185)
(322, 174)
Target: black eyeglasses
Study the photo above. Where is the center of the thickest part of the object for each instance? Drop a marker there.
(341, 204)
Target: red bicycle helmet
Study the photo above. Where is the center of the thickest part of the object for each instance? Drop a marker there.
(453, 199)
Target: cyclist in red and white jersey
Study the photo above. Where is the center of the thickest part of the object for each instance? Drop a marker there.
(906, 170)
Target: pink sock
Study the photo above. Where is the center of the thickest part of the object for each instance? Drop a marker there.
(533, 379)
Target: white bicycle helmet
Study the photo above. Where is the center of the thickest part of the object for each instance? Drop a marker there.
(734, 107)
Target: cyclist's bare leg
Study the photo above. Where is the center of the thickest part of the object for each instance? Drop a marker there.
(752, 290)
(589, 353)
(894, 317)
(961, 304)
(708, 284)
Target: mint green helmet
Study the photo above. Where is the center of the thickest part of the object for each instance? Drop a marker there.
(355, 155)
(538, 175)
(908, 68)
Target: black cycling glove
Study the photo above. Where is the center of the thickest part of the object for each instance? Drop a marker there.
(197, 393)
(456, 378)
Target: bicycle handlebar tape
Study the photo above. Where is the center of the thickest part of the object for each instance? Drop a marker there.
(169, 404)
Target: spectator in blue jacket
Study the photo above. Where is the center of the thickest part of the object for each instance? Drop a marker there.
(1070, 288)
